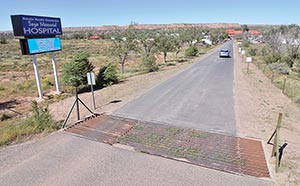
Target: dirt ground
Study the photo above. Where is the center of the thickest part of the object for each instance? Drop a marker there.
(257, 103)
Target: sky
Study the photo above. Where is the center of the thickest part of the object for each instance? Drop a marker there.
(75, 13)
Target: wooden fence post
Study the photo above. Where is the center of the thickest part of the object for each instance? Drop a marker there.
(275, 150)
(283, 88)
(276, 135)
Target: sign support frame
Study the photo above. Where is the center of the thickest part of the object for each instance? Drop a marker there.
(91, 81)
(37, 77)
(55, 73)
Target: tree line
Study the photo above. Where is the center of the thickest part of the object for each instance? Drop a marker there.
(283, 45)
(148, 42)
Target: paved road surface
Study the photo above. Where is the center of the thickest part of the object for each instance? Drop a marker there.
(200, 97)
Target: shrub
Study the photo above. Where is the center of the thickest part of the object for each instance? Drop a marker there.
(280, 68)
(3, 39)
(263, 51)
(107, 75)
(253, 51)
(149, 63)
(287, 60)
(191, 51)
(23, 87)
(74, 73)
(77, 36)
(47, 83)
(246, 44)
(5, 116)
(297, 65)
(274, 57)
(40, 120)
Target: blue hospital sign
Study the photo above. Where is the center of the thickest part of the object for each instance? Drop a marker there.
(41, 45)
(38, 33)
(36, 26)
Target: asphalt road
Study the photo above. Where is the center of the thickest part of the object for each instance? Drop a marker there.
(200, 97)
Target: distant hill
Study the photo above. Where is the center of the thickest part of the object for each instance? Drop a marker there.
(146, 27)
(153, 26)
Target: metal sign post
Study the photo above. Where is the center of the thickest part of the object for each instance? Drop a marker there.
(55, 74)
(76, 102)
(243, 52)
(37, 77)
(91, 81)
(248, 60)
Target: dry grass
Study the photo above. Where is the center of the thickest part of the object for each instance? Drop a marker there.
(292, 86)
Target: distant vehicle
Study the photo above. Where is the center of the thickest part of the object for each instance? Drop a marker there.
(224, 53)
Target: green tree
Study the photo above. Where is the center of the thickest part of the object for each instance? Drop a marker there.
(74, 73)
(274, 40)
(148, 42)
(218, 36)
(165, 44)
(178, 46)
(77, 36)
(123, 44)
(291, 37)
(190, 35)
(285, 41)
(245, 28)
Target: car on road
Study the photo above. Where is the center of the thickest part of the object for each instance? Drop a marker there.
(224, 53)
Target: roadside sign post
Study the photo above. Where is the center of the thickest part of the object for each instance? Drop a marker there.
(243, 53)
(248, 60)
(55, 74)
(92, 82)
(37, 77)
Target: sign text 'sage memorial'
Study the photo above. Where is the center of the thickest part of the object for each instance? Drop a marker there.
(36, 26)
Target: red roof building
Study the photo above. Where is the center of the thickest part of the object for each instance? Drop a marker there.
(232, 32)
(254, 32)
(95, 37)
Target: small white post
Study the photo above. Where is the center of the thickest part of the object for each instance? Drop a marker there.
(37, 77)
(92, 82)
(55, 74)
